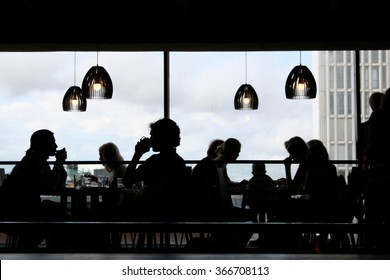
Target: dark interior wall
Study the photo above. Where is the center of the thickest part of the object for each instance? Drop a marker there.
(192, 25)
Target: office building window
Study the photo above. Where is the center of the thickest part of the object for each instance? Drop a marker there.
(340, 129)
(375, 77)
(331, 77)
(339, 57)
(349, 77)
(350, 152)
(367, 109)
(364, 54)
(348, 57)
(331, 130)
(341, 151)
(350, 125)
(340, 103)
(331, 103)
(374, 56)
(331, 57)
(349, 103)
(332, 151)
(384, 57)
(340, 77)
(366, 76)
(384, 77)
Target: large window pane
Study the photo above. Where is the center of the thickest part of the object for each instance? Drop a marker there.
(375, 77)
(32, 99)
(203, 86)
(340, 103)
(340, 77)
(374, 56)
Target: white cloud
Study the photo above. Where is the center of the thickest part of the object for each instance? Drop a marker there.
(202, 87)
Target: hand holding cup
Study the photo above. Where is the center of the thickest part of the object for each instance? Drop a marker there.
(61, 155)
(143, 145)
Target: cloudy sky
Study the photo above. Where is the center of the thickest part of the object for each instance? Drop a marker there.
(202, 88)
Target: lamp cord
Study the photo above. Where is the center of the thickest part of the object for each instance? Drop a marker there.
(300, 57)
(246, 67)
(74, 70)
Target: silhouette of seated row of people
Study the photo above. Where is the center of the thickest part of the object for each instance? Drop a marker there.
(172, 191)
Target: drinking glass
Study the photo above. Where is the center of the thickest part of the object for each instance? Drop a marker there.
(119, 182)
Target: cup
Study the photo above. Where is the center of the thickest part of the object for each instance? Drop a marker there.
(102, 182)
(87, 181)
(119, 182)
(78, 181)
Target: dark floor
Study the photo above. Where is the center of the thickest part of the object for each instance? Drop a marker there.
(180, 256)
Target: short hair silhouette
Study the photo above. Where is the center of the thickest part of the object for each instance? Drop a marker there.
(41, 139)
(375, 100)
(166, 131)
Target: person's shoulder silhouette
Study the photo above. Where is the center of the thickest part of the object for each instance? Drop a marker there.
(164, 174)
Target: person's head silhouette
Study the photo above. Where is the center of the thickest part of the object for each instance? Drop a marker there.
(43, 142)
(212, 150)
(164, 134)
(230, 149)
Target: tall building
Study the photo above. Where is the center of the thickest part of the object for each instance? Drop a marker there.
(337, 97)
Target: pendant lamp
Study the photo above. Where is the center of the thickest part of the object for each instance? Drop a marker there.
(97, 83)
(300, 83)
(246, 96)
(74, 100)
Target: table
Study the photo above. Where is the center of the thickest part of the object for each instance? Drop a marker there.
(78, 201)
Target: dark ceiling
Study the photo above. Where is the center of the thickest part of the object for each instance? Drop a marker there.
(192, 25)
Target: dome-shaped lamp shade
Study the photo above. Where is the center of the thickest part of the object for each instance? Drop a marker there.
(300, 84)
(74, 100)
(246, 98)
(97, 84)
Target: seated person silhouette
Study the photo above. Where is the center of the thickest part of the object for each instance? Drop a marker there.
(27, 180)
(221, 205)
(205, 181)
(297, 149)
(321, 184)
(164, 174)
(113, 163)
(109, 152)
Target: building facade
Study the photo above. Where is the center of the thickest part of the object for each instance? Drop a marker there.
(337, 100)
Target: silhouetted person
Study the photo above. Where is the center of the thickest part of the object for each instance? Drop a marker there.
(313, 141)
(377, 207)
(205, 182)
(378, 148)
(31, 177)
(164, 174)
(110, 154)
(230, 151)
(113, 163)
(221, 205)
(321, 184)
(297, 149)
(375, 101)
(260, 197)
